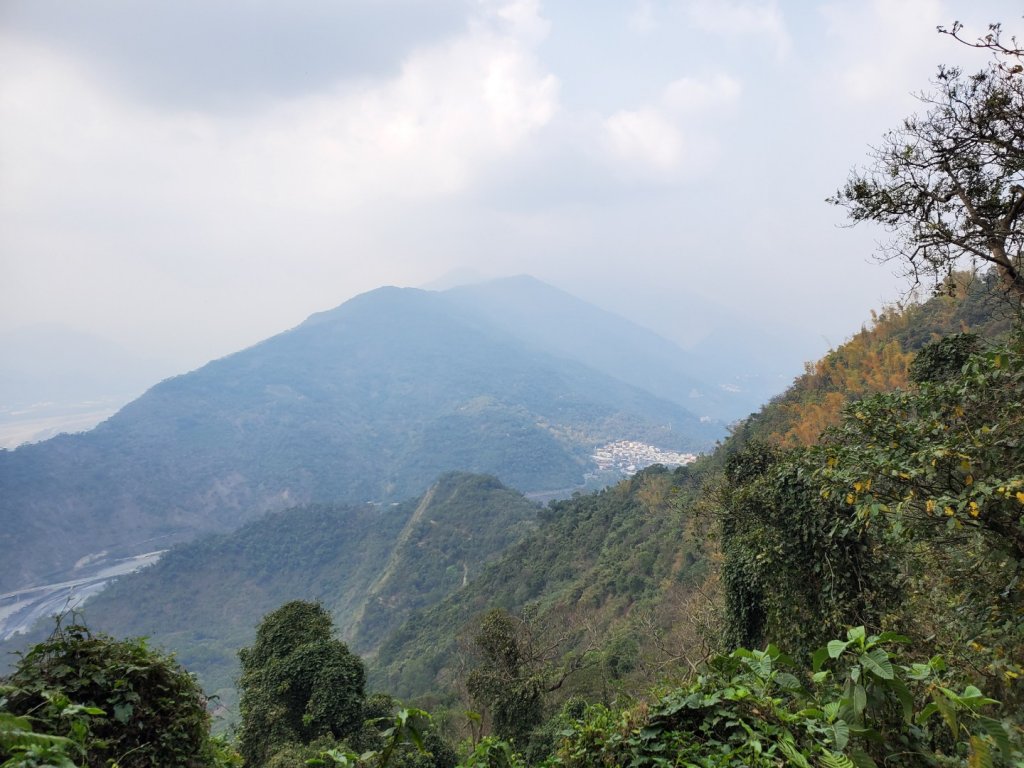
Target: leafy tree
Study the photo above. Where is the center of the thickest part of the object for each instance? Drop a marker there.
(949, 184)
(297, 683)
(505, 682)
(520, 664)
(789, 570)
(941, 468)
(943, 359)
(144, 710)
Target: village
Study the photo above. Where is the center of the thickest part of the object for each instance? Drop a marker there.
(629, 456)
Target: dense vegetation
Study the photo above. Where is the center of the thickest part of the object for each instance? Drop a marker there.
(883, 560)
(79, 698)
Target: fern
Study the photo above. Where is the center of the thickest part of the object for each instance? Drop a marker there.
(835, 760)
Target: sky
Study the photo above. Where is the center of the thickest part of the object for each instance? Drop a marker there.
(188, 178)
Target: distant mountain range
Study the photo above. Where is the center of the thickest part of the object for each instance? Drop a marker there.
(367, 402)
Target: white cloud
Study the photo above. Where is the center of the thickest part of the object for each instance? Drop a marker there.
(695, 96)
(741, 21)
(522, 17)
(644, 139)
(110, 206)
(902, 40)
(668, 139)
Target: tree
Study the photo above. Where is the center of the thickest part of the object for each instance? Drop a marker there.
(939, 470)
(949, 185)
(520, 665)
(297, 684)
(1008, 55)
(145, 710)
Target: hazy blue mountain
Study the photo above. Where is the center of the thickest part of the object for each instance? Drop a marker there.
(369, 401)
(562, 325)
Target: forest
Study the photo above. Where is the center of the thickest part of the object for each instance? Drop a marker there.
(837, 585)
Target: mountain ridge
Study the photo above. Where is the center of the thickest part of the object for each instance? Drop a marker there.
(369, 401)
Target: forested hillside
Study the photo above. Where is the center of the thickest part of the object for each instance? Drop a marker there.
(615, 567)
(370, 564)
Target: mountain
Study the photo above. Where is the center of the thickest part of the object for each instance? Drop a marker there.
(371, 565)
(368, 401)
(567, 327)
(618, 566)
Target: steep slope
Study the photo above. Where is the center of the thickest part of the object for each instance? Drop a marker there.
(621, 562)
(370, 565)
(369, 401)
(610, 554)
(877, 358)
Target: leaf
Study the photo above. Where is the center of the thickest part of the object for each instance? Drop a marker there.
(877, 662)
(859, 699)
(892, 637)
(836, 761)
(947, 710)
(997, 731)
(929, 710)
(787, 682)
(899, 688)
(123, 712)
(835, 648)
(793, 755)
(840, 734)
(980, 755)
(820, 657)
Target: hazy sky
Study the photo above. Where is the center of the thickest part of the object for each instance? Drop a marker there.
(189, 177)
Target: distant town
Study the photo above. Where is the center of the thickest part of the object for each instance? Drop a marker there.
(629, 456)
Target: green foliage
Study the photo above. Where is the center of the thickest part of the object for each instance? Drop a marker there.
(297, 683)
(508, 681)
(859, 707)
(789, 570)
(102, 700)
(401, 737)
(370, 565)
(492, 752)
(596, 561)
(940, 469)
(943, 359)
(22, 746)
(948, 455)
(461, 524)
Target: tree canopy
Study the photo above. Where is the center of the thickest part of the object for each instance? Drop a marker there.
(297, 684)
(949, 184)
(141, 709)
